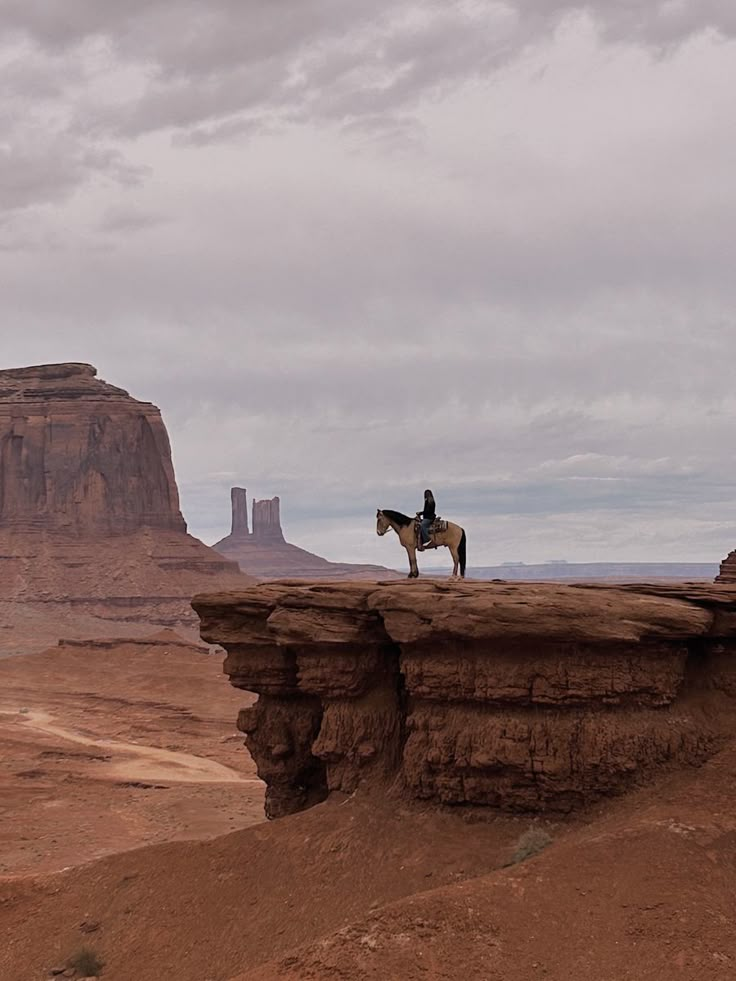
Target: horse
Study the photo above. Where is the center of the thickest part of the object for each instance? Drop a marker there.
(406, 528)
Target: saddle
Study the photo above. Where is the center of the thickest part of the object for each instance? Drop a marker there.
(438, 525)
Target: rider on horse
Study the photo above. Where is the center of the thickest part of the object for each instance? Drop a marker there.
(427, 515)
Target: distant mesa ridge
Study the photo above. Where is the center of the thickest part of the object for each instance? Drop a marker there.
(563, 571)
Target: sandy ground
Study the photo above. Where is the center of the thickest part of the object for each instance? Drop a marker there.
(105, 748)
(641, 889)
(131, 823)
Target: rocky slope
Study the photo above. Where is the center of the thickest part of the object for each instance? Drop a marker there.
(526, 697)
(265, 553)
(89, 507)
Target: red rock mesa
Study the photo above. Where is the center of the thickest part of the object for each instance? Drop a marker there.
(90, 523)
(531, 697)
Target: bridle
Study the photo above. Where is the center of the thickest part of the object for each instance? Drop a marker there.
(386, 526)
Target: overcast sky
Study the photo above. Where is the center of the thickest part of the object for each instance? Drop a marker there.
(355, 249)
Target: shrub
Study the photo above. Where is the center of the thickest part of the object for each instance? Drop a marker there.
(86, 963)
(530, 843)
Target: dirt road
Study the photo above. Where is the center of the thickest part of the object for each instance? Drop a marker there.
(134, 761)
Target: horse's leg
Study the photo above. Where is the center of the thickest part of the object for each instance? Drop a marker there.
(413, 567)
(455, 559)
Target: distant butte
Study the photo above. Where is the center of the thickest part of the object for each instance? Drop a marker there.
(265, 553)
(517, 696)
(90, 523)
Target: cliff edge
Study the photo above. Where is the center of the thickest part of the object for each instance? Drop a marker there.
(532, 697)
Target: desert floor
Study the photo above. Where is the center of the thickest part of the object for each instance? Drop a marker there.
(108, 747)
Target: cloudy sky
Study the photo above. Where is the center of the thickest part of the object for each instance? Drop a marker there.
(355, 249)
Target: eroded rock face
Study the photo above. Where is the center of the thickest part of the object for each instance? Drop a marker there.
(78, 455)
(89, 507)
(239, 502)
(519, 696)
(267, 520)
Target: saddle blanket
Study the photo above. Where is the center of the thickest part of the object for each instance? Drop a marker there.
(439, 524)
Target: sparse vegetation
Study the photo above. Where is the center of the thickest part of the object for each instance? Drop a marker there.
(86, 963)
(533, 841)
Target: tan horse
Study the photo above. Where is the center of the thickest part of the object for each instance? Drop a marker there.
(406, 528)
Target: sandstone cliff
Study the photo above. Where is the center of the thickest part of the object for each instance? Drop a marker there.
(90, 522)
(80, 456)
(528, 696)
(266, 554)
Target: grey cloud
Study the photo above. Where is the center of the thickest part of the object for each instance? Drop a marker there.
(338, 59)
(216, 71)
(44, 168)
(663, 21)
(519, 292)
(129, 219)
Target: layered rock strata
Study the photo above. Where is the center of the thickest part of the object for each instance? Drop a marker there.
(519, 696)
(727, 572)
(82, 457)
(266, 554)
(89, 507)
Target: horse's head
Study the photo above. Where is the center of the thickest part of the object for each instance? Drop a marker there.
(382, 523)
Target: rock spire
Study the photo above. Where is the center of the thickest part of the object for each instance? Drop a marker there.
(267, 520)
(239, 501)
(265, 553)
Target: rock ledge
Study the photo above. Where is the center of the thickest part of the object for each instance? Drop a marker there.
(520, 696)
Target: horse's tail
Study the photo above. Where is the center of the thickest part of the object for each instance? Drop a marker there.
(461, 553)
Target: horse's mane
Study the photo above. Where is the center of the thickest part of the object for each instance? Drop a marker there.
(397, 516)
